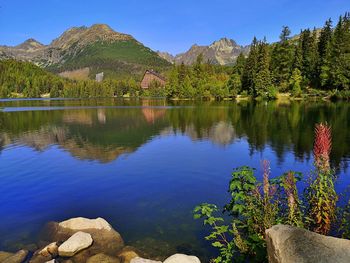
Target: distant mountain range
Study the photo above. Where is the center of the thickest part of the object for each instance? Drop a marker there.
(101, 49)
(223, 52)
(98, 48)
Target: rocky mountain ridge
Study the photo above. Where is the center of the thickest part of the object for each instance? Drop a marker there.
(222, 52)
(99, 48)
(69, 43)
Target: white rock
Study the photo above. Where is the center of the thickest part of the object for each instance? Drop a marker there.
(51, 261)
(181, 258)
(74, 244)
(143, 260)
(81, 223)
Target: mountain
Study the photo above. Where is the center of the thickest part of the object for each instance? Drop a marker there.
(167, 56)
(99, 48)
(223, 52)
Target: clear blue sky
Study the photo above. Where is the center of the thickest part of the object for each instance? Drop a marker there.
(165, 25)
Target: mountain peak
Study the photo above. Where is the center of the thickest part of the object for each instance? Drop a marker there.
(30, 44)
(223, 51)
(101, 27)
(224, 43)
(83, 36)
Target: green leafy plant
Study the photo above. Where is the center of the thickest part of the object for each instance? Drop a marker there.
(256, 206)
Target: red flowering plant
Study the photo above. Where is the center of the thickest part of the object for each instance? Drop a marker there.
(321, 194)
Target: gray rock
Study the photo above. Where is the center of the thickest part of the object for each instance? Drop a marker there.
(181, 258)
(74, 244)
(106, 239)
(143, 260)
(102, 258)
(18, 257)
(287, 244)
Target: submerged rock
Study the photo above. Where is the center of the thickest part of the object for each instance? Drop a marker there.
(102, 258)
(127, 254)
(74, 244)
(18, 257)
(106, 239)
(45, 254)
(143, 260)
(49, 250)
(287, 244)
(4, 255)
(181, 258)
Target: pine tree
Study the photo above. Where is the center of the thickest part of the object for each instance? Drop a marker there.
(262, 80)
(234, 84)
(282, 59)
(298, 55)
(250, 68)
(309, 56)
(295, 83)
(324, 52)
(340, 61)
(240, 64)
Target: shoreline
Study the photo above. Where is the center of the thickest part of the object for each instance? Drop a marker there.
(80, 240)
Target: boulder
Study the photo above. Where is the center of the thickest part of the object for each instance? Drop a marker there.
(287, 244)
(18, 257)
(40, 259)
(181, 258)
(127, 254)
(4, 255)
(81, 223)
(143, 260)
(106, 239)
(74, 244)
(45, 254)
(102, 258)
(50, 250)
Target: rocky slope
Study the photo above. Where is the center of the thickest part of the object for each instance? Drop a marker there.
(223, 52)
(98, 47)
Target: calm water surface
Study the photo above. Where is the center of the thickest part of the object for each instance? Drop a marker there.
(143, 165)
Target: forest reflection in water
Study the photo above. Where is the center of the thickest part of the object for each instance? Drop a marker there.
(105, 132)
(144, 164)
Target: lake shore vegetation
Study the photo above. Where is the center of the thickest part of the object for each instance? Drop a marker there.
(309, 202)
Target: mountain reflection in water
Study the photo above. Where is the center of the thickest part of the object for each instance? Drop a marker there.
(104, 134)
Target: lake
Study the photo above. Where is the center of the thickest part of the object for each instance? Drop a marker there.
(143, 165)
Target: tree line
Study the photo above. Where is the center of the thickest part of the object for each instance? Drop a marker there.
(314, 62)
(24, 79)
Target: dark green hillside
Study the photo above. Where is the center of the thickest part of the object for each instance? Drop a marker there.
(118, 59)
(26, 78)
